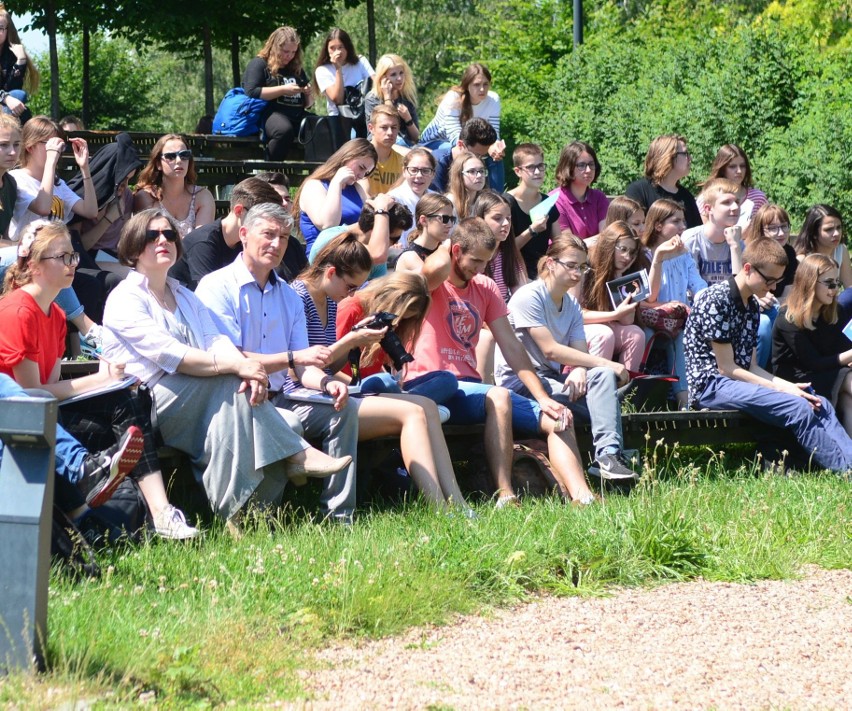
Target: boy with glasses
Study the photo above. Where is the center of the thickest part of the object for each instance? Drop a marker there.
(531, 235)
(722, 369)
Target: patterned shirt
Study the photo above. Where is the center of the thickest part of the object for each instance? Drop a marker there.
(719, 316)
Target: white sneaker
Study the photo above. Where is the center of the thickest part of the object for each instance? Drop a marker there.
(443, 413)
(171, 523)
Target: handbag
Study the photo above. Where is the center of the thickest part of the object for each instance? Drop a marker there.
(354, 99)
(238, 114)
(668, 318)
(320, 137)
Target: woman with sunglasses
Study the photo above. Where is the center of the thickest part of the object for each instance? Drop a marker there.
(808, 345)
(582, 209)
(610, 331)
(204, 390)
(333, 195)
(468, 176)
(338, 272)
(433, 220)
(32, 342)
(168, 181)
(418, 169)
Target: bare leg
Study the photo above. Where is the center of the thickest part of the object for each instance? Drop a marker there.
(154, 491)
(499, 439)
(565, 459)
(398, 415)
(485, 356)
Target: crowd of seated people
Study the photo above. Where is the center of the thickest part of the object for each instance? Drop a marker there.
(248, 332)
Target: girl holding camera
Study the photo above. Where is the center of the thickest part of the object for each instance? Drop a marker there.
(338, 272)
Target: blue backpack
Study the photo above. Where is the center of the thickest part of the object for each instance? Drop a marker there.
(238, 114)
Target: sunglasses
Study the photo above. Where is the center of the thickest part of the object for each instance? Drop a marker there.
(832, 283)
(446, 219)
(154, 235)
(68, 258)
(769, 282)
(172, 156)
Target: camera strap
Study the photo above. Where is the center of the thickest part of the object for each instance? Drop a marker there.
(354, 359)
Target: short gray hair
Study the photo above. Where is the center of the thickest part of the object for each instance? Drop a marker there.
(271, 212)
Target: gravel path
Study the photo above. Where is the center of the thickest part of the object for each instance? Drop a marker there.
(691, 645)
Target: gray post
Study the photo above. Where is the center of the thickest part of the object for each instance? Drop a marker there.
(578, 23)
(28, 429)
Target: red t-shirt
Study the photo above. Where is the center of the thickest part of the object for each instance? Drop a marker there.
(27, 333)
(450, 332)
(349, 312)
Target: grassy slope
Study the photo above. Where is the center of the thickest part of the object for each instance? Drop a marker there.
(221, 620)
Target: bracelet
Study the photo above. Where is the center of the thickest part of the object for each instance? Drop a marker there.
(408, 123)
(380, 211)
(290, 361)
(215, 364)
(326, 379)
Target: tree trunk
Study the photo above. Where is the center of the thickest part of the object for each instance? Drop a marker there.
(87, 78)
(235, 59)
(54, 60)
(371, 31)
(208, 72)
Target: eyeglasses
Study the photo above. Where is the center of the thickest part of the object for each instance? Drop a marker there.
(777, 229)
(584, 166)
(621, 249)
(683, 153)
(68, 258)
(572, 267)
(425, 172)
(476, 172)
(172, 156)
(832, 283)
(446, 219)
(769, 282)
(535, 168)
(154, 235)
(350, 288)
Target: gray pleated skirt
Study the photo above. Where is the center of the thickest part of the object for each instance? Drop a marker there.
(236, 449)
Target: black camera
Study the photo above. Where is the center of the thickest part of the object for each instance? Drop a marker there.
(390, 342)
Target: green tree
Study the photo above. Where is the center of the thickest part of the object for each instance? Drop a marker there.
(122, 96)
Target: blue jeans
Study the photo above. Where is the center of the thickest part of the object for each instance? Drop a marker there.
(599, 407)
(20, 95)
(69, 453)
(764, 337)
(467, 406)
(817, 431)
(438, 385)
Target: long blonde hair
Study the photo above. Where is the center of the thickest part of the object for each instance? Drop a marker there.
(397, 293)
(269, 52)
(384, 65)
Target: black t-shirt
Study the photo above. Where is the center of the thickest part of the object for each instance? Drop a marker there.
(294, 262)
(257, 76)
(647, 193)
(533, 250)
(789, 271)
(204, 251)
(8, 194)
